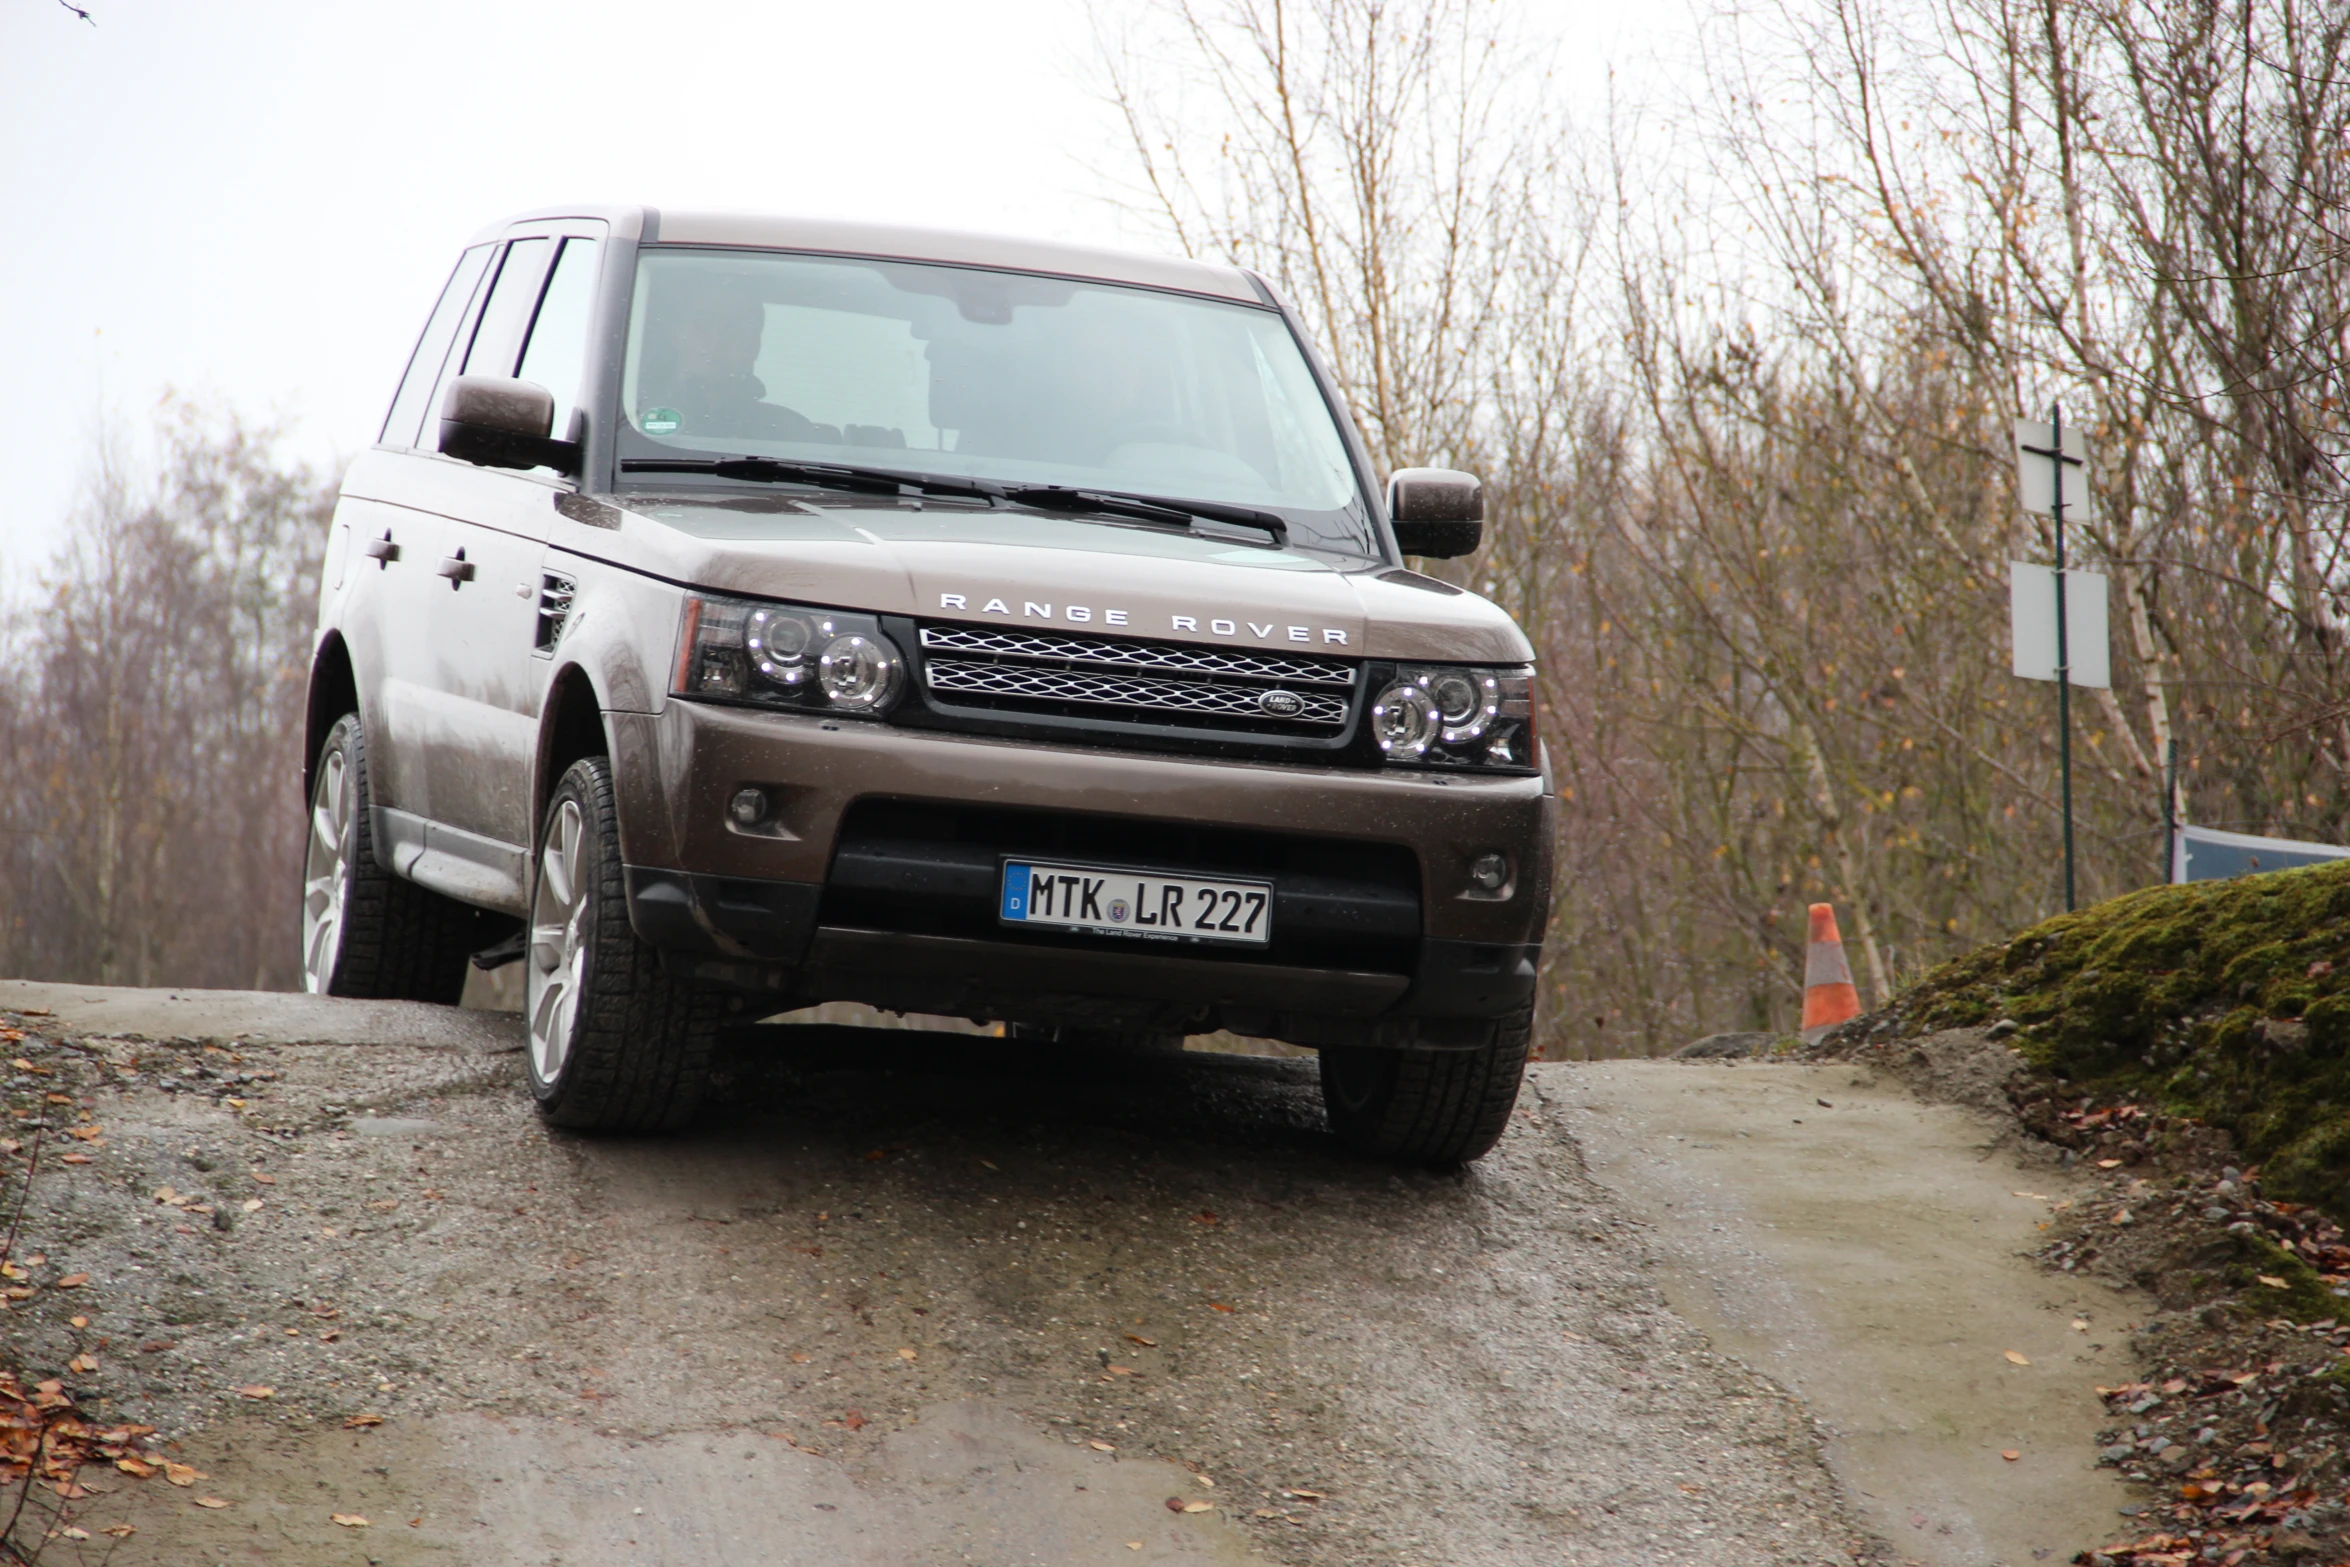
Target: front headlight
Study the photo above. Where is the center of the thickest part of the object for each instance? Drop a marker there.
(783, 655)
(1457, 715)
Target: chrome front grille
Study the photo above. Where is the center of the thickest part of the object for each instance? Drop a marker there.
(1167, 682)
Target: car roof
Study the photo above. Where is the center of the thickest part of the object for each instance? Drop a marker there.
(843, 237)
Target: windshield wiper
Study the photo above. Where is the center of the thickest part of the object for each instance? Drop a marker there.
(1145, 508)
(825, 475)
(1163, 510)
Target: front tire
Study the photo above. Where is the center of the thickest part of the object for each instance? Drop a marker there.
(616, 1043)
(1440, 1108)
(365, 931)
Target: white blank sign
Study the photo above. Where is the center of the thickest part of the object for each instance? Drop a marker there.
(2036, 471)
(2031, 596)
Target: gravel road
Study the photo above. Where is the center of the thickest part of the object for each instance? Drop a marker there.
(899, 1298)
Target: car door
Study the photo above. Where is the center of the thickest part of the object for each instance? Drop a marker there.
(389, 537)
(485, 629)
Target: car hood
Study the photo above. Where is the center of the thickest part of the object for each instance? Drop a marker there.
(1023, 569)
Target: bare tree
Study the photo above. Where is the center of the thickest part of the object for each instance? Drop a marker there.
(153, 701)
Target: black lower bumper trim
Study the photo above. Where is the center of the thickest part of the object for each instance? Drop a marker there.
(1472, 979)
(723, 916)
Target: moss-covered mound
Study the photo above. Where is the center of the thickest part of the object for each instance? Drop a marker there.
(2226, 1001)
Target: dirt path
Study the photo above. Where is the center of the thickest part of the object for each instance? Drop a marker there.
(901, 1298)
(1868, 1251)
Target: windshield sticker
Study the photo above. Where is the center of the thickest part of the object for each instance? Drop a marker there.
(658, 421)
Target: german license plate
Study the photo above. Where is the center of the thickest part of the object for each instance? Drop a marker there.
(1137, 903)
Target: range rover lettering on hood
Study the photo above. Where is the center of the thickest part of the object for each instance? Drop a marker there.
(1198, 625)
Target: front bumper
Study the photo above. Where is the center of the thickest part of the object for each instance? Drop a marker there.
(792, 894)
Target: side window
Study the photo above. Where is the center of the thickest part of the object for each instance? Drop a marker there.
(497, 342)
(556, 357)
(432, 349)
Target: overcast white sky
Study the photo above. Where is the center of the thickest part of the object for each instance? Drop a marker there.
(258, 199)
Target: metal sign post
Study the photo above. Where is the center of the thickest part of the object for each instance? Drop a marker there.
(2042, 455)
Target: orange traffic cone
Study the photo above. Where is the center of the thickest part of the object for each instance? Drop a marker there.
(1828, 994)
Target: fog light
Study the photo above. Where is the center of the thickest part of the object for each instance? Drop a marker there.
(748, 807)
(1491, 872)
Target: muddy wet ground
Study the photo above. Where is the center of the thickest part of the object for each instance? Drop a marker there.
(899, 1298)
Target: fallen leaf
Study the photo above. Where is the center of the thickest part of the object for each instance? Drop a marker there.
(361, 1422)
(137, 1469)
(1146, 1343)
(20, 1063)
(1204, 1480)
(1311, 1496)
(854, 1419)
(1203, 1217)
(906, 1354)
(1217, 1305)
(330, 1335)
(121, 1531)
(234, 1104)
(266, 1180)
(165, 1194)
(1266, 1512)
(74, 1532)
(2109, 1164)
(800, 1357)
(251, 1205)
(75, 1158)
(2015, 1359)
(256, 1390)
(210, 1501)
(2035, 1196)
(2123, 1218)
(349, 1520)
(1101, 1447)
(2080, 1324)
(1199, 1507)
(2010, 1454)
(2272, 1281)
(1120, 1371)
(59, 1099)
(1134, 1545)
(79, 1322)
(73, 1281)
(384, 1204)
(88, 1134)
(85, 1363)
(1823, 1104)
(156, 1346)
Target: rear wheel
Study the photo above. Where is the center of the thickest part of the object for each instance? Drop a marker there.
(1433, 1107)
(365, 931)
(616, 1043)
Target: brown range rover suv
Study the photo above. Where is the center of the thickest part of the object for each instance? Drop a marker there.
(744, 613)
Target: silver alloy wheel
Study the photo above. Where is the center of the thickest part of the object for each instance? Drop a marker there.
(326, 872)
(558, 943)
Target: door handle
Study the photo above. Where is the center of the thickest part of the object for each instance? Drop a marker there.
(457, 569)
(383, 551)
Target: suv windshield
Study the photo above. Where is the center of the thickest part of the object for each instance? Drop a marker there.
(998, 376)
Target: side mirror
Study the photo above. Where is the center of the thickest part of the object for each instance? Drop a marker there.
(503, 423)
(1437, 512)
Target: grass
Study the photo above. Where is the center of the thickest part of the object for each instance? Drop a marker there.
(2226, 1001)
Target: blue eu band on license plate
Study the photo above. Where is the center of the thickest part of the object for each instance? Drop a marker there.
(1146, 904)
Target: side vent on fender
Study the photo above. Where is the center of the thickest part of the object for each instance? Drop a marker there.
(554, 609)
